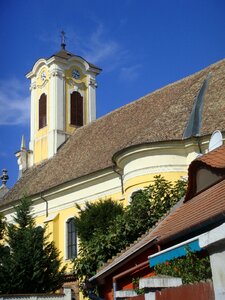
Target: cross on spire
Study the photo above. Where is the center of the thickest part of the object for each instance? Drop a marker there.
(63, 40)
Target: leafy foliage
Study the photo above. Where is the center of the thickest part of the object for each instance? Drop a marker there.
(30, 263)
(96, 218)
(191, 268)
(106, 232)
(93, 224)
(135, 282)
(2, 232)
(2, 226)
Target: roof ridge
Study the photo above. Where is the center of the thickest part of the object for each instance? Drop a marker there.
(132, 102)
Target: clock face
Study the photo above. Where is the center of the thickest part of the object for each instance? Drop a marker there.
(43, 76)
(75, 74)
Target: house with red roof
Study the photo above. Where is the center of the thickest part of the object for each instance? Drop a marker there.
(198, 220)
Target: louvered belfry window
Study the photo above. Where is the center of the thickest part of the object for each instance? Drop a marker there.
(42, 111)
(76, 109)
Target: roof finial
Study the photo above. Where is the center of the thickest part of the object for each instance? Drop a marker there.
(23, 143)
(63, 40)
(4, 177)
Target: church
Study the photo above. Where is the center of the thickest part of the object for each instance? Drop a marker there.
(73, 157)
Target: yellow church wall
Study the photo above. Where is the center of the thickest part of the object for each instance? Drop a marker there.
(57, 218)
(40, 149)
(103, 185)
(143, 181)
(40, 136)
(60, 205)
(56, 223)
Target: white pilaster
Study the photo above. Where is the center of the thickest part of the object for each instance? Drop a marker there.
(91, 99)
(32, 113)
(56, 135)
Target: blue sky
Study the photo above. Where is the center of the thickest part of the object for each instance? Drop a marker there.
(141, 45)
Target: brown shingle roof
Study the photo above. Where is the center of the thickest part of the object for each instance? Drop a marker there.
(159, 116)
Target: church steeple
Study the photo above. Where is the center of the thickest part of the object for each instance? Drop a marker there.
(63, 98)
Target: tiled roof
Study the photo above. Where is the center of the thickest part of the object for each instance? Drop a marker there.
(3, 191)
(206, 207)
(214, 159)
(159, 116)
(202, 211)
(67, 55)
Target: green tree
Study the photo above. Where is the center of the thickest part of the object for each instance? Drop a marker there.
(2, 233)
(31, 264)
(93, 223)
(114, 232)
(2, 226)
(96, 218)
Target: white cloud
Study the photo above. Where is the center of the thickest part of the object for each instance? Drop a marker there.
(101, 48)
(130, 73)
(14, 102)
(97, 47)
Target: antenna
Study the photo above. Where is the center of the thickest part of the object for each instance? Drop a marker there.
(216, 140)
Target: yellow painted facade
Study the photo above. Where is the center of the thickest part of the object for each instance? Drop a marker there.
(143, 181)
(57, 217)
(41, 140)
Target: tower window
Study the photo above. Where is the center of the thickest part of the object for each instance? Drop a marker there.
(42, 111)
(71, 239)
(76, 109)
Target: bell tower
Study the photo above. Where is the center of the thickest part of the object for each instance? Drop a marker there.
(63, 98)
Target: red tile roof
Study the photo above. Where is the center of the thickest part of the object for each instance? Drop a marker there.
(214, 159)
(205, 207)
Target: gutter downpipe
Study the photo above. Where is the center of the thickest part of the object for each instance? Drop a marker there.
(199, 144)
(46, 209)
(115, 278)
(114, 167)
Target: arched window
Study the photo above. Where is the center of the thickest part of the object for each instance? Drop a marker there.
(76, 109)
(42, 111)
(71, 239)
